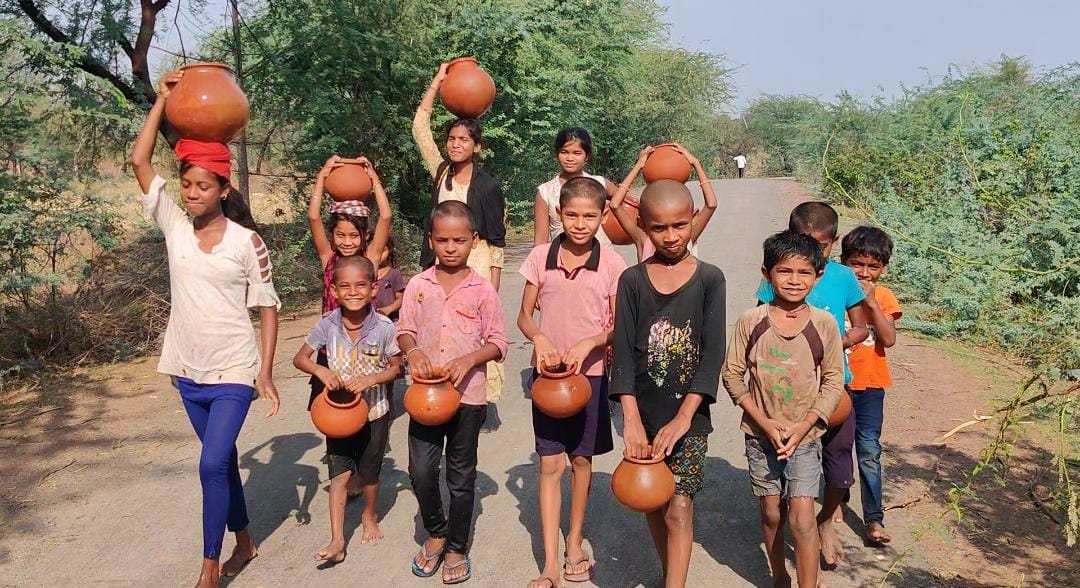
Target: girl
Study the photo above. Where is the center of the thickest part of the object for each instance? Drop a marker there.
(348, 229)
(218, 268)
(573, 149)
(645, 248)
(391, 283)
(460, 179)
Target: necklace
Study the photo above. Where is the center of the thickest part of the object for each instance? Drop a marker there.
(668, 264)
(794, 313)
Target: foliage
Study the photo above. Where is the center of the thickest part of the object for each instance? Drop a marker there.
(346, 78)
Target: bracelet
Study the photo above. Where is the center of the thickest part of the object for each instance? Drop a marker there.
(703, 182)
(409, 352)
(622, 187)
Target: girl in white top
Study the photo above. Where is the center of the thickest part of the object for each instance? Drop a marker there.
(573, 148)
(218, 268)
(628, 220)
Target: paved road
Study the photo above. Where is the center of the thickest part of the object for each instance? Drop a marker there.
(142, 526)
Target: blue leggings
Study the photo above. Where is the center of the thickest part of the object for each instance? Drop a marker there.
(217, 412)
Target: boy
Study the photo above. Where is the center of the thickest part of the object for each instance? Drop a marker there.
(363, 356)
(795, 359)
(451, 323)
(669, 342)
(867, 250)
(836, 291)
(573, 271)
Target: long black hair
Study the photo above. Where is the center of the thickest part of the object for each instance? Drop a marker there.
(234, 205)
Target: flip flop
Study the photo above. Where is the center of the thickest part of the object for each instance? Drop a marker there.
(419, 570)
(579, 577)
(468, 571)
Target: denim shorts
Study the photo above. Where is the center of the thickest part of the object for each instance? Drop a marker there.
(800, 475)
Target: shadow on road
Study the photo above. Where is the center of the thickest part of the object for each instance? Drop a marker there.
(279, 486)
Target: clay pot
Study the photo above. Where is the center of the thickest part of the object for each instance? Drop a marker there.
(207, 104)
(643, 485)
(339, 413)
(665, 163)
(841, 412)
(559, 392)
(611, 226)
(432, 402)
(467, 91)
(348, 182)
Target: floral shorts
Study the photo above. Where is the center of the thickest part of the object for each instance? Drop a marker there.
(687, 462)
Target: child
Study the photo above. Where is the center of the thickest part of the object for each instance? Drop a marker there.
(573, 149)
(219, 267)
(836, 291)
(391, 288)
(451, 322)
(361, 347)
(867, 251)
(669, 342)
(574, 271)
(348, 230)
(793, 354)
(645, 248)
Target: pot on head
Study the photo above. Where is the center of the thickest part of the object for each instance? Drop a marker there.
(611, 227)
(207, 104)
(468, 91)
(348, 182)
(665, 163)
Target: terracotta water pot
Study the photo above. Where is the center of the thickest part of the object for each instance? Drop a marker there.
(665, 163)
(559, 392)
(611, 225)
(207, 104)
(432, 402)
(339, 413)
(841, 412)
(643, 485)
(468, 91)
(348, 182)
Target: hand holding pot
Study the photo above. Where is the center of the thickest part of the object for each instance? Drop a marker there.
(546, 353)
(331, 164)
(167, 82)
(694, 162)
(669, 435)
(360, 384)
(441, 74)
(635, 441)
(645, 153)
(369, 168)
(329, 378)
(421, 365)
(575, 356)
(457, 368)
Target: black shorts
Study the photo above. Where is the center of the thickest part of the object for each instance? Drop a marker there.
(362, 453)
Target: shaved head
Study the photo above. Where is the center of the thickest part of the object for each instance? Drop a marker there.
(665, 195)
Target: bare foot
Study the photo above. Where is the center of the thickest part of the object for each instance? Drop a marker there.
(333, 553)
(832, 549)
(545, 581)
(209, 574)
(838, 516)
(875, 532)
(821, 581)
(353, 487)
(372, 532)
(241, 555)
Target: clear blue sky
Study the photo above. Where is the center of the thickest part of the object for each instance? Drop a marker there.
(869, 47)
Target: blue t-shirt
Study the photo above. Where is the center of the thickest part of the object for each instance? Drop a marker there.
(836, 291)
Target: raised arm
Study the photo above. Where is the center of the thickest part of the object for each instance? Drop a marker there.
(314, 212)
(702, 217)
(386, 215)
(142, 154)
(421, 127)
(625, 217)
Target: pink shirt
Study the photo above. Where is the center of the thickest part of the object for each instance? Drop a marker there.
(574, 304)
(447, 326)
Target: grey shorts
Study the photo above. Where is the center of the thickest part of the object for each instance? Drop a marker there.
(798, 476)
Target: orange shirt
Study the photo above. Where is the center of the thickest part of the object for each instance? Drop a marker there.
(869, 368)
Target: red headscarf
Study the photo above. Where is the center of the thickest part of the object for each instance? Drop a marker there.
(213, 157)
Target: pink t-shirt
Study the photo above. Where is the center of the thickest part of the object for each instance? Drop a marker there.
(447, 326)
(574, 304)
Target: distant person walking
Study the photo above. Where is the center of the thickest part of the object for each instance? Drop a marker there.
(740, 162)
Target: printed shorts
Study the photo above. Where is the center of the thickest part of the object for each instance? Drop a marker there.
(800, 475)
(687, 462)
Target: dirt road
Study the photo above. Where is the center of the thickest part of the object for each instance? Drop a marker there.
(101, 485)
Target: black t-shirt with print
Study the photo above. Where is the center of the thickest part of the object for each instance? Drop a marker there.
(668, 345)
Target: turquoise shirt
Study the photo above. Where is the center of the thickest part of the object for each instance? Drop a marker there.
(836, 291)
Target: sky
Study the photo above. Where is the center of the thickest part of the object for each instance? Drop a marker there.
(868, 47)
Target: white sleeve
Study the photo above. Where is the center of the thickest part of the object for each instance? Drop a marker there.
(260, 291)
(159, 207)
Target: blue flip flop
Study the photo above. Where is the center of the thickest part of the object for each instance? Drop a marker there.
(468, 571)
(419, 570)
